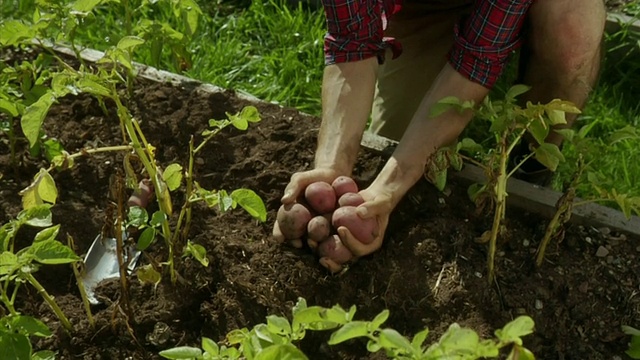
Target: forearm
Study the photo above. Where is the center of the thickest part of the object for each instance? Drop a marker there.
(347, 96)
(426, 134)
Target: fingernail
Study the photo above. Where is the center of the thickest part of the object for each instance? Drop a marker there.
(362, 211)
(287, 195)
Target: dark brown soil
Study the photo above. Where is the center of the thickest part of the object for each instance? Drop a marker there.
(429, 273)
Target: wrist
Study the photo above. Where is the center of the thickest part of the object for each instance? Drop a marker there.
(397, 178)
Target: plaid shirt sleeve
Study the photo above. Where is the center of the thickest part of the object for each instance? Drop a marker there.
(484, 39)
(355, 29)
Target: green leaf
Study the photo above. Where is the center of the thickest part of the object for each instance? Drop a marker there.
(379, 320)
(539, 130)
(634, 347)
(14, 32)
(172, 175)
(419, 339)
(129, 42)
(93, 87)
(556, 117)
(469, 146)
(445, 104)
(14, 346)
(28, 325)
(34, 115)
(251, 203)
(391, 339)
(630, 330)
(85, 5)
(514, 330)
(148, 275)
(44, 355)
(278, 325)
(317, 318)
(8, 263)
(516, 91)
(238, 122)
(460, 340)
(158, 218)
(281, 352)
(52, 252)
(626, 133)
(520, 353)
(210, 346)
(237, 336)
(568, 134)
(250, 114)
(52, 148)
(350, 331)
(198, 252)
(549, 155)
(562, 105)
(181, 353)
(137, 216)
(9, 108)
(36, 216)
(42, 190)
(146, 238)
(47, 234)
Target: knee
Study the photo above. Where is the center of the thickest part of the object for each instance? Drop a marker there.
(569, 40)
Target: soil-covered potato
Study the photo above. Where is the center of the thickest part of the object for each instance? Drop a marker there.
(344, 184)
(333, 249)
(292, 220)
(319, 228)
(350, 199)
(321, 197)
(365, 230)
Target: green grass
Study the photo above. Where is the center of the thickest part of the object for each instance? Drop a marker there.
(274, 51)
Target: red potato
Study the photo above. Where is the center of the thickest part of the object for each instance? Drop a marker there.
(365, 230)
(350, 199)
(292, 220)
(319, 228)
(344, 184)
(321, 197)
(142, 195)
(334, 250)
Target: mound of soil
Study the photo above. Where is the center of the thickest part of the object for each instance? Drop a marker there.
(430, 271)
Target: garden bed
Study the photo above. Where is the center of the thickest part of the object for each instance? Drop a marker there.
(430, 271)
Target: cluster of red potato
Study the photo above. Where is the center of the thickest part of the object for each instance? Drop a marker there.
(325, 208)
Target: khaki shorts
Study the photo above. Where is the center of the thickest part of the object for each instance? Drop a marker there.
(425, 30)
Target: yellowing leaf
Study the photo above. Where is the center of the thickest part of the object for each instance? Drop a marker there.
(148, 275)
(549, 155)
(129, 42)
(42, 190)
(173, 176)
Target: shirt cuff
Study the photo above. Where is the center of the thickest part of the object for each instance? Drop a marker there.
(341, 50)
(481, 64)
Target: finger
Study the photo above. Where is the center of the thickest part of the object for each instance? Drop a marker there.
(297, 184)
(312, 244)
(277, 234)
(354, 245)
(373, 208)
(331, 265)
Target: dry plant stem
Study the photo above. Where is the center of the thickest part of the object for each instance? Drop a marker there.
(500, 193)
(185, 212)
(49, 300)
(124, 288)
(83, 291)
(150, 167)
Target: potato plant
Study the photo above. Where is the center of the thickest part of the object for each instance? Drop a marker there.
(277, 338)
(584, 173)
(510, 123)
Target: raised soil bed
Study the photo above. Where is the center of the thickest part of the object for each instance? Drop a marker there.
(430, 271)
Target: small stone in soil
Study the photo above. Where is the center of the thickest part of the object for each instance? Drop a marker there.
(525, 243)
(539, 305)
(602, 252)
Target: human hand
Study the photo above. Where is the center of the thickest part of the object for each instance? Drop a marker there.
(378, 205)
(294, 191)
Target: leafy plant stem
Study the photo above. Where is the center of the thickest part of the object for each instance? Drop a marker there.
(8, 302)
(81, 288)
(150, 167)
(48, 299)
(500, 210)
(186, 208)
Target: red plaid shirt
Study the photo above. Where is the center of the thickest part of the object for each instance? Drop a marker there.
(483, 40)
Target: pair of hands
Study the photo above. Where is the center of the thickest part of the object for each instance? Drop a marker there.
(378, 205)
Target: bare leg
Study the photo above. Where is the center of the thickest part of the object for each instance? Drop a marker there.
(561, 58)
